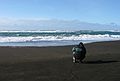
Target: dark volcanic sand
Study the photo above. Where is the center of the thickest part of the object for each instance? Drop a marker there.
(102, 63)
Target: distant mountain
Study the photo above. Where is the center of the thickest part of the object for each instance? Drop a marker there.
(54, 24)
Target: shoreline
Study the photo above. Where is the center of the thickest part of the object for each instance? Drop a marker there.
(57, 45)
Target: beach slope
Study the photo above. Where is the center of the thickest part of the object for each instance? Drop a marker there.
(102, 63)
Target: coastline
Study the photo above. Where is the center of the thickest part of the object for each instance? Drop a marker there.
(54, 63)
(85, 43)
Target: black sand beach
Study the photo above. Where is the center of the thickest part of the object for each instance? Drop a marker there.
(102, 63)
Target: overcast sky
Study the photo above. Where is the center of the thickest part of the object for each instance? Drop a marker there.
(59, 14)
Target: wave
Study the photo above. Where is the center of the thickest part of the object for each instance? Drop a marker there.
(55, 33)
(58, 35)
(60, 38)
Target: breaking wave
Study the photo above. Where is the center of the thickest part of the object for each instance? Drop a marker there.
(57, 37)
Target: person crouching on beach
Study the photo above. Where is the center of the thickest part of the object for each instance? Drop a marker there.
(79, 53)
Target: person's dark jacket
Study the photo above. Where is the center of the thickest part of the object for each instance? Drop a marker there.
(83, 52)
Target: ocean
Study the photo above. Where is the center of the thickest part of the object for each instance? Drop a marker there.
(55, 37)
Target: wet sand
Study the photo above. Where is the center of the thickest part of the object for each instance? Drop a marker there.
(102, 63)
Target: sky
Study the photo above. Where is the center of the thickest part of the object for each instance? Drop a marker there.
(59, 14)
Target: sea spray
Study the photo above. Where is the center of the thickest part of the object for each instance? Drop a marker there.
(54, 38)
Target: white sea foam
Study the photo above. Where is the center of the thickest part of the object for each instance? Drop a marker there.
(60, 38)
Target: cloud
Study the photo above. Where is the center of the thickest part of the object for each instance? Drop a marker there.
(52, 24)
